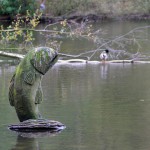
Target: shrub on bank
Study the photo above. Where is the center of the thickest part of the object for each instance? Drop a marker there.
(76, 7)
(13, 7)
(84, 7)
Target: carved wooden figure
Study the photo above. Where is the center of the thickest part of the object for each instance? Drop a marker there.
(25, 92)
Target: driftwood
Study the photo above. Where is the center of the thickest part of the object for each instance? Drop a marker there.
(11, 55)
(73, 61)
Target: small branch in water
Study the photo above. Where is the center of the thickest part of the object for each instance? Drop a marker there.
(12, 55)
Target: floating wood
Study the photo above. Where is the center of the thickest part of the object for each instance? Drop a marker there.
(100, 62)
(75, 60)
(12, 55)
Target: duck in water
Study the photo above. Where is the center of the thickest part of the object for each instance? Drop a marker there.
(104, 55)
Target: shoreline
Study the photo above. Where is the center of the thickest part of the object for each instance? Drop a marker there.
(86, 18)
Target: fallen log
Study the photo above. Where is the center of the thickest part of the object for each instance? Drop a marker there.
(74, 60)
(101, 62)
(11, 55)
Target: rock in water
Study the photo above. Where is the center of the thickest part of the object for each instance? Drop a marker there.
(37, 125)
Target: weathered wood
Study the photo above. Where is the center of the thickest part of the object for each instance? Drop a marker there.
(11, 55)
(129, 61)
(121, 61)
(101, 62)
(74, 59)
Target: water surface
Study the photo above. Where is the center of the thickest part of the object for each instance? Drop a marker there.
(105, 107)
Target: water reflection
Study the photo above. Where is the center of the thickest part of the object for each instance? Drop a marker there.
(24, 143)
(106, 111)
(104, 70)
(100, 105)
(36, 134)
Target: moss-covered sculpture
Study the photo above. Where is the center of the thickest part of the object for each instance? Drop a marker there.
(25, 91)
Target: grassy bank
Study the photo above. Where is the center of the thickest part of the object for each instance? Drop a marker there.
(97, 7)
(80, 9)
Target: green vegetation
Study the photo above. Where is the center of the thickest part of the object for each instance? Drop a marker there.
(76, 7)
(13, 7)
(20, 33)
(84, 7)
(21, 30)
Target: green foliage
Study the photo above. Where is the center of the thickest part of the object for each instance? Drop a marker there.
(13, 7)
(65, 7)
(81, 7)
(20, 29)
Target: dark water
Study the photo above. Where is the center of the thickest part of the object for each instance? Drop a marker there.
(105, 107)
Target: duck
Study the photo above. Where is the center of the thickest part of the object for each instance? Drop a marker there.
(104, 55)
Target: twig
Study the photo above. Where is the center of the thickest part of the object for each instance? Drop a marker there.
(118, 38)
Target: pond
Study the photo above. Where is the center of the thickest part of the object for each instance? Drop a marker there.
(104, 106)
(134, 42)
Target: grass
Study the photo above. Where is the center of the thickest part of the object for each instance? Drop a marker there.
(85, 7)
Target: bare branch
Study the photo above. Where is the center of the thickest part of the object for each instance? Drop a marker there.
(12, 55)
